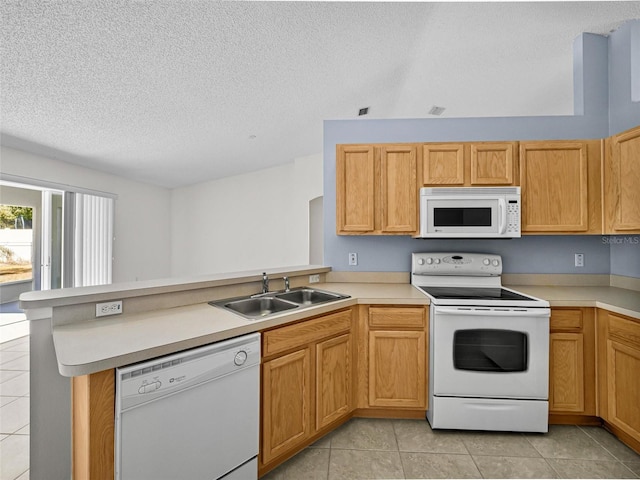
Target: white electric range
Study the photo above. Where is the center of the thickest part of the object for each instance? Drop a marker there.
(488, 346)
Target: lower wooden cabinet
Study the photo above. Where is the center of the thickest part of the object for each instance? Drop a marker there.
(286, 403)
(333, 380)
(307, 376)
(619, 374)
(396, 359)
(572, 387)
(397, 374)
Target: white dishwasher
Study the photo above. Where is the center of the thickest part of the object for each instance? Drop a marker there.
(191, 415)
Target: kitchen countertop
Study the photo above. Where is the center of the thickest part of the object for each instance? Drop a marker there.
(617, 300)
(94, 345)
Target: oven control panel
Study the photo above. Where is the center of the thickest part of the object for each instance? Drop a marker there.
(448, 263)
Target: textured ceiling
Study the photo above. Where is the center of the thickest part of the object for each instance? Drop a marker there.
(170, 92)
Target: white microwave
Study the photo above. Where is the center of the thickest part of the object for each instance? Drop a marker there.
(470, 212)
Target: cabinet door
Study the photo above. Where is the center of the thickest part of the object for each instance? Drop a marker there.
(621, 185)
(623, 385)
(333, 380)
(566, 379)
(443, 164)
(553, 177)
(355, 189)
(286, 399)
(492, 163)
(622, 379)
(397, 373)
(572, 384)
(399, 189)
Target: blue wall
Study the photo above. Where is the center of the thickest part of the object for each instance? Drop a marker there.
(624, 77)
(530, 254)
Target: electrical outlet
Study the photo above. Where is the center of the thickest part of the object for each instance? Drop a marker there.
(314, 278)
(353, 259)
(109, 308)
(579, 259)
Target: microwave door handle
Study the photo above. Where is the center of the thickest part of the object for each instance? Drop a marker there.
(502, 216)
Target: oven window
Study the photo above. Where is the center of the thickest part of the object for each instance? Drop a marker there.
(461, 217)
(488, 350)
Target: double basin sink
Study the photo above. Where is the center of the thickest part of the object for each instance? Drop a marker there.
(262, 305)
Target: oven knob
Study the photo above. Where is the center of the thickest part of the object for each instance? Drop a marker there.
(486, 261)
(429, 260)
(495, 263)
(421, 261)
(437, 261)
(240, 358)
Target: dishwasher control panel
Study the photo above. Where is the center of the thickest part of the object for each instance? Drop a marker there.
(144, 381)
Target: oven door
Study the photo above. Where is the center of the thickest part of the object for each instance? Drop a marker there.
(490, 352)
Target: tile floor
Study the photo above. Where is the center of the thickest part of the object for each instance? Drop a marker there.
(372, 448)
(385, 449)
(14, 409)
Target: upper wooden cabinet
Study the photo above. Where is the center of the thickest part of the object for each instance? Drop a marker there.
(376, 189)
(621, 183)
(443, 164)
(560, 183)
(355, 187)
(469, 164)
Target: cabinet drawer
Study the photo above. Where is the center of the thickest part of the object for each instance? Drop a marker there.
(566, 320)
(413, 317)
(291, 336)
(626, 331)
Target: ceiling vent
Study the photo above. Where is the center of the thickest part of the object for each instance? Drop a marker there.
(436, 110)
(363, 111)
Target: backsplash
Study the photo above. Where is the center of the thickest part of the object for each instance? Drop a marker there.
(625, 255)
(528, 254)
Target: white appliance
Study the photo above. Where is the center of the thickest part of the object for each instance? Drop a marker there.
(194, 414)
(488, 346)
(470, 212)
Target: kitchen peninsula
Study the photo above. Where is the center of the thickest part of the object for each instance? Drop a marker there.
(160, 317)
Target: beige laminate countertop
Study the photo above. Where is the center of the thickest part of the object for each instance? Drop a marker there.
(94, 345)
(617, 300)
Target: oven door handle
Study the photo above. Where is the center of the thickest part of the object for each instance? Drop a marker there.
(529, 312)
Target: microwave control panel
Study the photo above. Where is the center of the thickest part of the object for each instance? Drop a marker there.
(513, 216)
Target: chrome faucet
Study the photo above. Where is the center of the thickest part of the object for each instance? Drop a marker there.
(286, 284)
(265, 283)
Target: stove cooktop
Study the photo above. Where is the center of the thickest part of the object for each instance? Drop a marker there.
(473, 293)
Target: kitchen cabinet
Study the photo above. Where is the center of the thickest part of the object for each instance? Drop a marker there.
(560, 183)
(307, 376)
(93, 430)
(621, 180)
(618, 367)
(395, 357)
(376, 189)
(286, 386)
(469, 164)
(572, 386)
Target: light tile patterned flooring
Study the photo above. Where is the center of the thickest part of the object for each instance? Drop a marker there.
(14, 409)
(372, 448)
(385, 449)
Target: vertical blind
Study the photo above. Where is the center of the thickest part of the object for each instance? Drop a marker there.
(93, 240)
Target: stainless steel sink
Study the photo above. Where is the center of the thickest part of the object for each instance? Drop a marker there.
(259, 306)
(308, 296)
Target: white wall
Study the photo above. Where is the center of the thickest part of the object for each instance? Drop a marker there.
(250, 221)
(142, 246)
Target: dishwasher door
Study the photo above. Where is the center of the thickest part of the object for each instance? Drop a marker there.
(192, 415)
